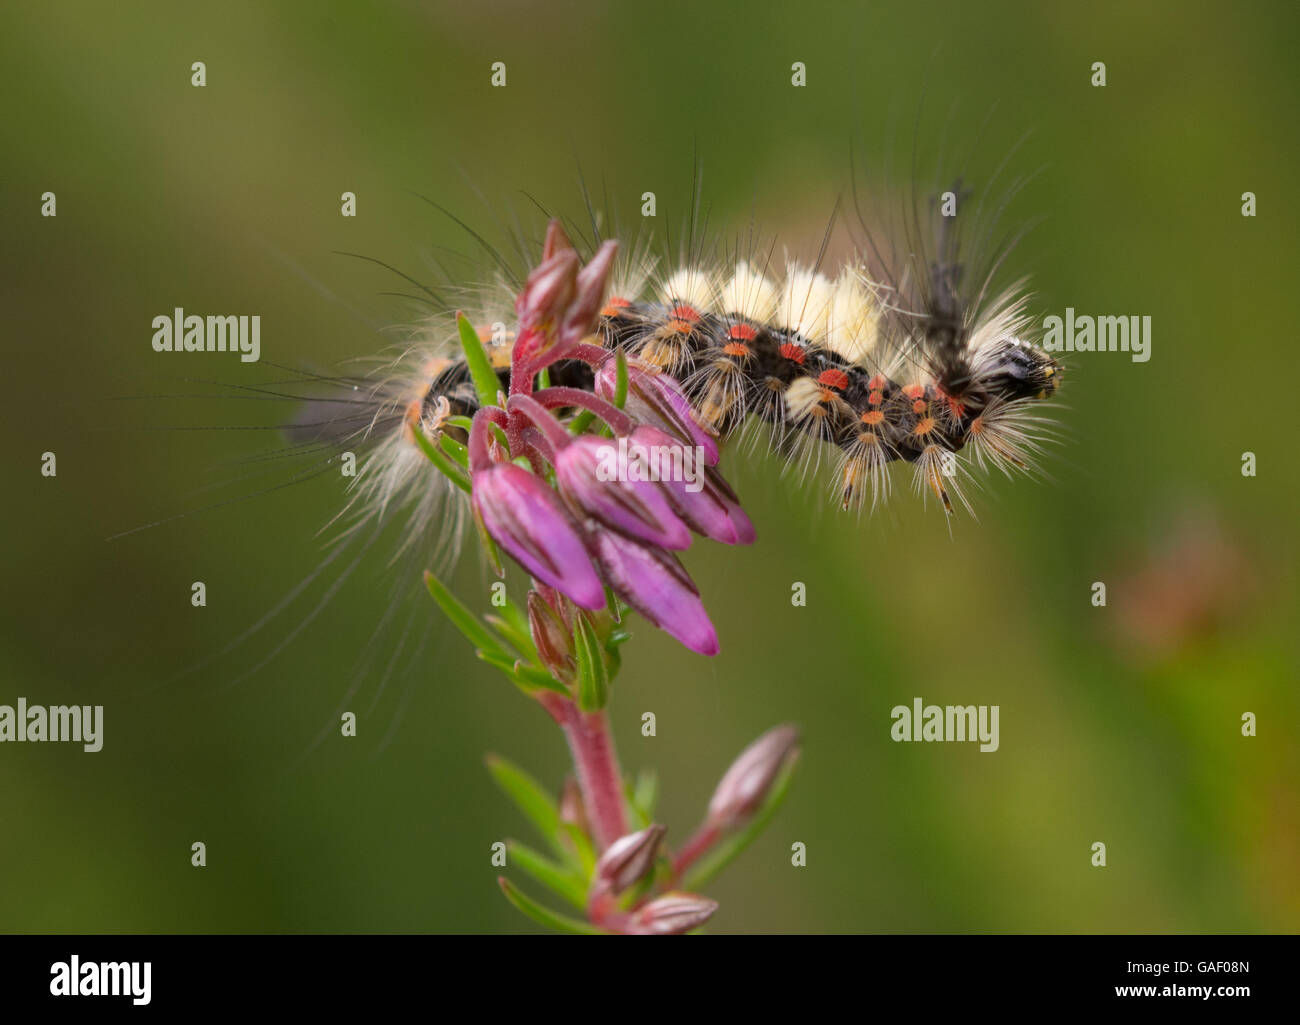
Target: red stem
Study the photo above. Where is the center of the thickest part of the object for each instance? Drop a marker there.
(705, 837)
(620, 423)
(598, 773)
(479, 453)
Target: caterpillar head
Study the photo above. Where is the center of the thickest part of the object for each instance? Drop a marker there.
(1019, 370)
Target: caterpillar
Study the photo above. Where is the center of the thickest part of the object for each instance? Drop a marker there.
(878, 364)
(902, 356)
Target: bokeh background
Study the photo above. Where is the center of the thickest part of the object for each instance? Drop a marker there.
(1119, 725)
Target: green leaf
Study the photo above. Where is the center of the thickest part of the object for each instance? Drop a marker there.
(455, 449)
(528, 679)
(582, 849)
(535, 677)
(613, 656)
(507, 627)
(443, 462)
(581, 422)
(538, 806)
(593, 672)
(517, 616)
(620, 381)
(485, 379)
(461, 617)
(564, 882)
(639, 798)
(545, 916)
(729, 848)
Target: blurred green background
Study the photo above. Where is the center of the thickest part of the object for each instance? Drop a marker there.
(1119, 725)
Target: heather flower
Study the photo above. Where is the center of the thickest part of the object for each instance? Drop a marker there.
(656, 399)
(526, 518)
(638, 509)
(570, 506)
(552, 638)
(672, 914)
(746, 785)
(654, 583)
(628, 859)
(707, 505)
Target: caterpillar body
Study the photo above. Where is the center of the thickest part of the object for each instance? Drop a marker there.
(879, 372)
(888, 362)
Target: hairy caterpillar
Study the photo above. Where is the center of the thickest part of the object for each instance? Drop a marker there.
(903, 355)
(878, 364)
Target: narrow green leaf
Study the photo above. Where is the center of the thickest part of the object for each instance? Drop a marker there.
(518, 639)
(540, 678)
(463, 422)
(581, 422)
(593, 672)
(462, 618)
(528, 679)
(563, 882)
(507, 664)
(545, 916)
(489, 546)
(439, 459)
(455, 449)
(729, 848)
(582, 850)
(485, 379)
(517, 616)
(538, 806)
(620, 381)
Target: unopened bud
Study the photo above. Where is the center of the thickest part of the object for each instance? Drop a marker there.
(549, 290)
(554, 642)
(628, 859)
(674, 913)
(556, 240)
(748, 782)
(580, 318)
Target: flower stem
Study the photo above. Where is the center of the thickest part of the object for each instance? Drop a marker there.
(705, 837)
(620, 423)
(599, 777)
(478, 450)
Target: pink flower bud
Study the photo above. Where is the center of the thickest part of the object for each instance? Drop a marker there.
(654, 583)
(580, 318)
(595, 479)
(527, 519)
(747, 783)
(556, 240)
(547, 293)
(553, 640)
(628, 859)
(656, 399)
(673, 914)
(700, 497)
